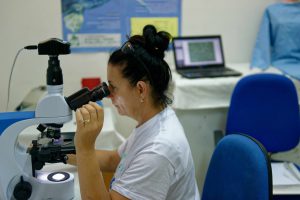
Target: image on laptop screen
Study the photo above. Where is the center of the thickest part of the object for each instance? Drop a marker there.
(198, 51)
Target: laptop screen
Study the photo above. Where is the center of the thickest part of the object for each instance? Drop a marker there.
(198, 51)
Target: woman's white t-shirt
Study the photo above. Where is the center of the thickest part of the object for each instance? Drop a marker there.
(156, 162)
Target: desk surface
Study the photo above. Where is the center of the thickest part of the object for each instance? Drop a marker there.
(206, 93)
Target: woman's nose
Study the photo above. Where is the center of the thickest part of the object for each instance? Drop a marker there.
(111, 91)
(110, 95)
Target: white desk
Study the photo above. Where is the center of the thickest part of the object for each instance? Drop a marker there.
(201, 106)
(109, 139)
(206, 93)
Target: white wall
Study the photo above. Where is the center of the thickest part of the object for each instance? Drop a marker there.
(236, 20)
(31, 21)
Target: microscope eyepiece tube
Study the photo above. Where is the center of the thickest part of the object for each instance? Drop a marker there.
(99, 92)
(85, 95)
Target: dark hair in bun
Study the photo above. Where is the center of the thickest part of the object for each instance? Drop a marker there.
(156, 42)
(142, 58)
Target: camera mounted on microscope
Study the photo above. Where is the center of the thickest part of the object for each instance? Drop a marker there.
(54, 47)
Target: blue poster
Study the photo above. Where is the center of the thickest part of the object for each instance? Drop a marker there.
(103, 25)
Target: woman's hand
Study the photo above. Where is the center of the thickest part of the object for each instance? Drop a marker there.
(89, 120)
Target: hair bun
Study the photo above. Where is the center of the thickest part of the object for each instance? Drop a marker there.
(156, 42)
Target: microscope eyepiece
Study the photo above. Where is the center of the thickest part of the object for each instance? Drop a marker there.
(85, 95)
(99, 91)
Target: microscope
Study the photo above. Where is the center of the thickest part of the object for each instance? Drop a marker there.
(21, 174)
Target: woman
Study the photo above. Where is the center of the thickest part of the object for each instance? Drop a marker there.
(155, 162)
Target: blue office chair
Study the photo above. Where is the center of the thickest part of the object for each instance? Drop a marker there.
(238, 170)
(265, 106)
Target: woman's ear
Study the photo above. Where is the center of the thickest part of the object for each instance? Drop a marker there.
(142, 88)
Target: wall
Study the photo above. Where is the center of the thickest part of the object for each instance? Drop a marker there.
(29, 22)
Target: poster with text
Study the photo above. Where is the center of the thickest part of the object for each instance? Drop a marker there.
(103, 25)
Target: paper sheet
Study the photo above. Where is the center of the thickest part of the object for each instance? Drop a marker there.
(285, 173)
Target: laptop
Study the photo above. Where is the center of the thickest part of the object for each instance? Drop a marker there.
(201, 57)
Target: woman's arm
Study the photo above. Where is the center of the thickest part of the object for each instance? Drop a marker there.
(108, 160)
(89, 123)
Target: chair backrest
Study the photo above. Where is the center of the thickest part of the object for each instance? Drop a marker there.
(238, 170)
(265, 106)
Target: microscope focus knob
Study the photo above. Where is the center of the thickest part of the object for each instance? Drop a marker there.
(22, 190)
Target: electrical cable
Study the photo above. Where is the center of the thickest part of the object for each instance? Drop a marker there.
(29, 47)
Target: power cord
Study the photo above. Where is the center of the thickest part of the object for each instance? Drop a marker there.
(29, 47)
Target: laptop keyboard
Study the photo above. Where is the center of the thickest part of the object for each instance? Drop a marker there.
(217, 72)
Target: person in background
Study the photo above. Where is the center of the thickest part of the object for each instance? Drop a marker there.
(155, 162)
(278, 41)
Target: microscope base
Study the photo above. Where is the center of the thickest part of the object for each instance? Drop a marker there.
(48, 186)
